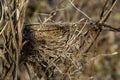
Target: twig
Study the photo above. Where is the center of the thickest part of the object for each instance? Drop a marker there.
(100, 23)
(107, 14)
(73, 38)
(79, 9)
(101, 55)
(98, 33)
(1, 11)
(4, 28)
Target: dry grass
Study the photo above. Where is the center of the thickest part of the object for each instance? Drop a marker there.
(50, 49)
(12, 22)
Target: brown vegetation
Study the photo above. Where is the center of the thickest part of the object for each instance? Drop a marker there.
(58, 40)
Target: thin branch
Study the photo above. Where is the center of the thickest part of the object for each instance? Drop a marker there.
(4, 28)
(1, 11)
(98, 33)
(107, 14)
(73, 38)
(79, 10)
(101, 55)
